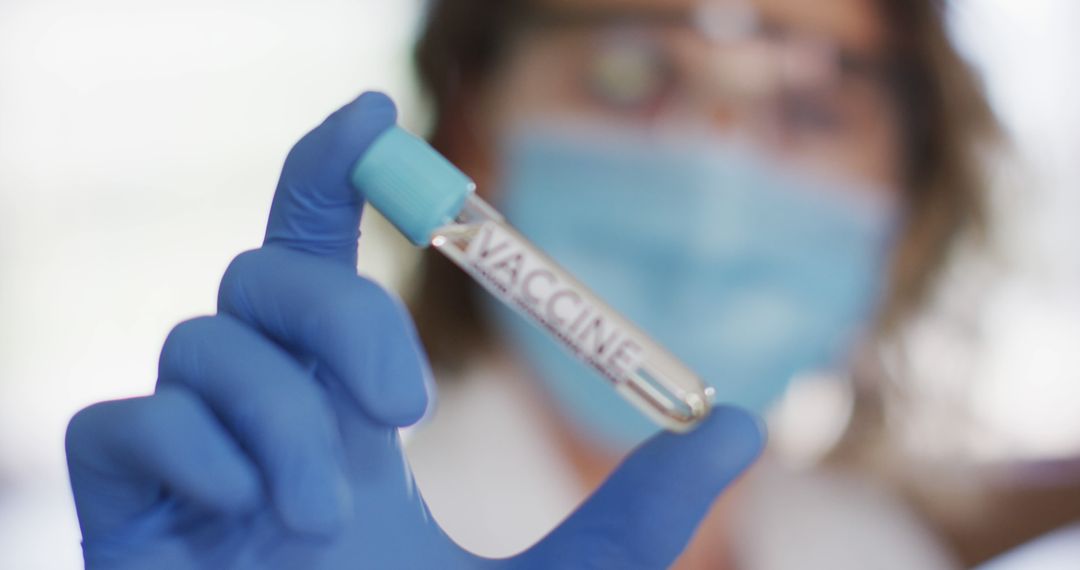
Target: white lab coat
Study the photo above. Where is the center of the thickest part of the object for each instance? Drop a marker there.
(497, 483)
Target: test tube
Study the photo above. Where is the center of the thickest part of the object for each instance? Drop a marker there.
(434, 204)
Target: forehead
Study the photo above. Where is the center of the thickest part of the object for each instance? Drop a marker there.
(853, 24)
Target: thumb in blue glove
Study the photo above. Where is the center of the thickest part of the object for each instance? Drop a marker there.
(271, 440)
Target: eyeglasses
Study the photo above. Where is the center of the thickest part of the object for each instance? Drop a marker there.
(721, 64)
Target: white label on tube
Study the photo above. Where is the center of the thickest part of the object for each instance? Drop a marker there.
(506, 264)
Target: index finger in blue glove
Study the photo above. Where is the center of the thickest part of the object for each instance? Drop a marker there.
(320, 309)
(315, 208)
(646, 512)
(274, 409)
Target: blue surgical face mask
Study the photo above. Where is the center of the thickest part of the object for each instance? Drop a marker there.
(747, 272)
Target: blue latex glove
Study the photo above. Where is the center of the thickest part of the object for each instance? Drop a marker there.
(271, 440)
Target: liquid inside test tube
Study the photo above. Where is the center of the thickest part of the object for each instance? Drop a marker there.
(517, 273)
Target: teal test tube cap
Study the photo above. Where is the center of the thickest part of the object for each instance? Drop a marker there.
(411, 184)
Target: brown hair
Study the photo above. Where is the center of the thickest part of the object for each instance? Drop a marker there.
(945, 118)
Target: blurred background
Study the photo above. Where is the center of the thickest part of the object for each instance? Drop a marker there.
(140, 142)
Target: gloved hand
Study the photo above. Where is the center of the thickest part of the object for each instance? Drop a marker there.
(271, 439)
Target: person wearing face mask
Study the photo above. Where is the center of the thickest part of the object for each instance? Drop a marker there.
(764, 187)
(768, 189)
(729, 175)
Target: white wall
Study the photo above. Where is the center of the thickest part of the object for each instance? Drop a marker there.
(140, 142)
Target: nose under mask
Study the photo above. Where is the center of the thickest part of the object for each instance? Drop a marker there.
(747, 272)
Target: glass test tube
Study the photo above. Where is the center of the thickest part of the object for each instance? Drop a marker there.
(431, 202)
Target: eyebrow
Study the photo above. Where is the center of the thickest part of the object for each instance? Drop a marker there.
(851, 62)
